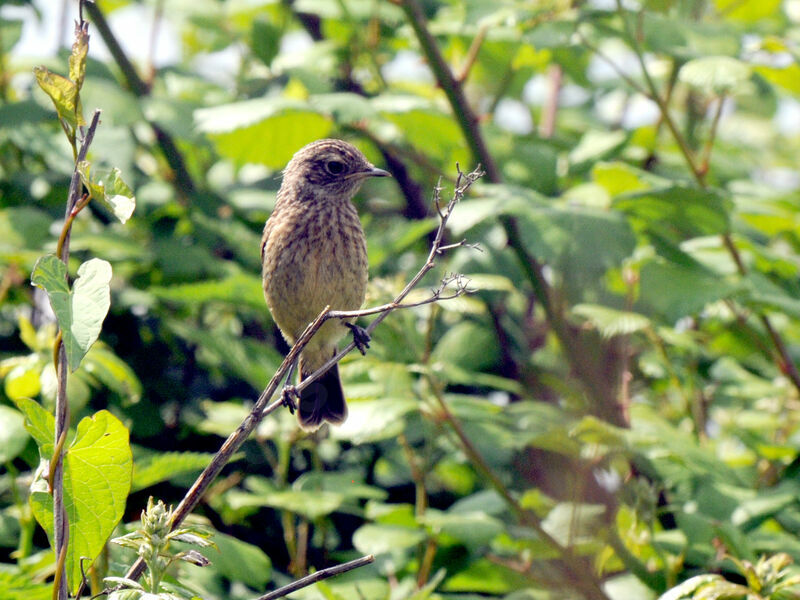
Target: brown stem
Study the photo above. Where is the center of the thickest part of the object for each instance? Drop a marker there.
(318, 576)
(462, 111)
(60, 520)
(548, 125)
(472, 54)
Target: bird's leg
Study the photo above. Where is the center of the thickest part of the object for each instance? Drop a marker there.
(289, 396)
(360, 337)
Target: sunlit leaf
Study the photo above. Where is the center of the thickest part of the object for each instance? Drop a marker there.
(80, 311)
(97, 478)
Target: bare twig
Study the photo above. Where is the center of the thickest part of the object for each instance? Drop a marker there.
(472, 54)
(263, 407)
(550, 110)
(318, 576)
(463, 183)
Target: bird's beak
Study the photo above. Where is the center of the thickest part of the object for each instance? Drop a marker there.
(371, 172)
(376, 172)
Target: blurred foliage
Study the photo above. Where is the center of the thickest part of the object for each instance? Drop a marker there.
(613, 414)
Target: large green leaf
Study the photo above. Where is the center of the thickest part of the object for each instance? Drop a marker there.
(98, 467)
(674, 291)
(678, 211)
(265, 131)
(80, 311)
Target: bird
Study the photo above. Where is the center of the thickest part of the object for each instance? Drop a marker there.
(313, 255)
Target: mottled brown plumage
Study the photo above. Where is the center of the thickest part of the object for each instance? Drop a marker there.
(314, 254)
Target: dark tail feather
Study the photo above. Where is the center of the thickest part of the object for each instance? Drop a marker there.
(322, 401)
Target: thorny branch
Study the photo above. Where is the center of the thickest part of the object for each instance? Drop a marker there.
(263, 407)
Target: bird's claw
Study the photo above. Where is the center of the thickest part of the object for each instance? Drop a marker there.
(360, 337)
(290, 397)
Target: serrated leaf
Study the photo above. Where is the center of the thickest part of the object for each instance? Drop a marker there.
(716, 74)
(98, 467)
(80, 312)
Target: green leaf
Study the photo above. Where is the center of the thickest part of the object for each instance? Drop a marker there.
(114, 192)
(678, 211)
(165, 465)
(24, 380)
(40, 424)
(20, 586)
(677, 291)
(595, 145)
(374, 420)
(98, 467)
(237, 289)
(469, 346)
(63, 93)
(715, 74)
(385, 539)
(470, 528)
(611, 322)
(13, 436)
(77, 58)
(265, 40)
(239, 561)
(81, 311)
(748, 11)
(484, 577)
(264, 131)
(312, 504)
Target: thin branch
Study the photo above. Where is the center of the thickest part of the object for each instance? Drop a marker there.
(463, 183)
(318, 576)
(472, 54)
(262, 407)
(705, 162)
(550, 111)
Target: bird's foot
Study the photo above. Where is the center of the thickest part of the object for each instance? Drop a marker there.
(360, 337)
(290, 398)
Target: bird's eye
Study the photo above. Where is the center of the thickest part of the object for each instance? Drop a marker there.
(334, 167)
